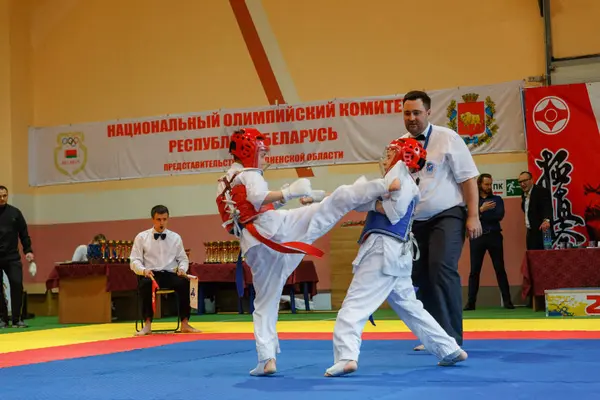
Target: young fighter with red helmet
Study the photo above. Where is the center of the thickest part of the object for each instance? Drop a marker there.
(275, 241)
(382, 269)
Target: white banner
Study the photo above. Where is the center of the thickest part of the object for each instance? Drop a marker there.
(340, 131)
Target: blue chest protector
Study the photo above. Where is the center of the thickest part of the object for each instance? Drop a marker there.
(379, 223)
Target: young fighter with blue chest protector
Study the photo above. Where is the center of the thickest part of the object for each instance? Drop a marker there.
(382, 269)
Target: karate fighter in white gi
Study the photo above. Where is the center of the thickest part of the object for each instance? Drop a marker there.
(382, 269)
(275, 241)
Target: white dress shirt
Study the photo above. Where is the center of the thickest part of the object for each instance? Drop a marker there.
(527, 197)
(449, 163)
(158, 254)
(80, 254)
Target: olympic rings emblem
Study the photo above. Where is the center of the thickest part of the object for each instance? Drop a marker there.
(71, 141)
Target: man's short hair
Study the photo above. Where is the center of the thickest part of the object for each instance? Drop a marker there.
(527, 173)
(416, 95)
(159, 209)
(99, 237)
(2, 187)
(482, 177)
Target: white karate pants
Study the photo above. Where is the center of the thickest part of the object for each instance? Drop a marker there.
(271, 269)
(368, 290)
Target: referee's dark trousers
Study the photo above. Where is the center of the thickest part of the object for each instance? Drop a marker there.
(440, 241)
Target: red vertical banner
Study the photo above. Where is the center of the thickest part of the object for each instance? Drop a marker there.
(563, 148)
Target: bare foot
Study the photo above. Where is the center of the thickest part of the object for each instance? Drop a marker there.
(395, 185)
(350, 367)
(146, 330)
(264, 368)
(187, 328)
(270, 367)
(450, 360)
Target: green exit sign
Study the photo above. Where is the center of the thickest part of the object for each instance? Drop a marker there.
(513, 188)
(506, 188)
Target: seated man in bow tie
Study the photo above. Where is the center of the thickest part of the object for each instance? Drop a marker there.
(158, 254)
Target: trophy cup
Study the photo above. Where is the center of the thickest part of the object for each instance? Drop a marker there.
(118, 251)
(129, 248)
(111, 251)
(103, 250)
(229, 251)
(210, 251)
(220, 251)
(205, 252)
(235, 250)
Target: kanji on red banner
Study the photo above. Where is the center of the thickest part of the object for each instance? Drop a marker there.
(563, 145)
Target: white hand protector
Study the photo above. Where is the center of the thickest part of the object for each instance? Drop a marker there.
(299, 188)
(32, 268)
(281, 203)
(317, 195)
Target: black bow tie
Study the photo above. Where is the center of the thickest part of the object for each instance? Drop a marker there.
(160, 235)
(421, 137)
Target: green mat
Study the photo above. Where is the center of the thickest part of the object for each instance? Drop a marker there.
(40, 323)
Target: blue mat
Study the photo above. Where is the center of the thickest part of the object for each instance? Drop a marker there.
(496, 369)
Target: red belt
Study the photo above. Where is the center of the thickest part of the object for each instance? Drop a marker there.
(287, 247)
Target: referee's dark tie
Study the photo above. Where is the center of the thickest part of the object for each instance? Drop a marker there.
(421, 137)
(160, 235)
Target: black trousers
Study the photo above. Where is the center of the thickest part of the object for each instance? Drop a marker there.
(491, 242)
(440, 241)
(14, 272)
(534, 239)
(165, 280)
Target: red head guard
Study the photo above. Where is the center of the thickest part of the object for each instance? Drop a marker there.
(407, 150)
(413, 154)
(246, 145)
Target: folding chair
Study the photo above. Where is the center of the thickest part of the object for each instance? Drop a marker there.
(140, 318)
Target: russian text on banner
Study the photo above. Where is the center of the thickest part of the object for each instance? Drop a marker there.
(340, 131)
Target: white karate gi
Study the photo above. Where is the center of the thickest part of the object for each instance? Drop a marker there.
(382, 270)
(271, 269)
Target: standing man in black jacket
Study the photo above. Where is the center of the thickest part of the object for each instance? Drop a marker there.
(536, 203)
(491, 212)
(12, 228)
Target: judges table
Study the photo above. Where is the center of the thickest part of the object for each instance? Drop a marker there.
(559, 269)
(85, 289)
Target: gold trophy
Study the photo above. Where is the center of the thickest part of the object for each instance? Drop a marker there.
(118, 251)
(220, 251)
(111, 251)
(229, 252)
(210, 250)
(103, 250)
(235, 250)
(129, 248)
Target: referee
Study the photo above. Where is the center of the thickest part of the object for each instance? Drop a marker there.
(12, 228)
(448, 207)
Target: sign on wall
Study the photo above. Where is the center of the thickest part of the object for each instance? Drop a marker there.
(339, 131)
(507, 188)
(563, 142)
